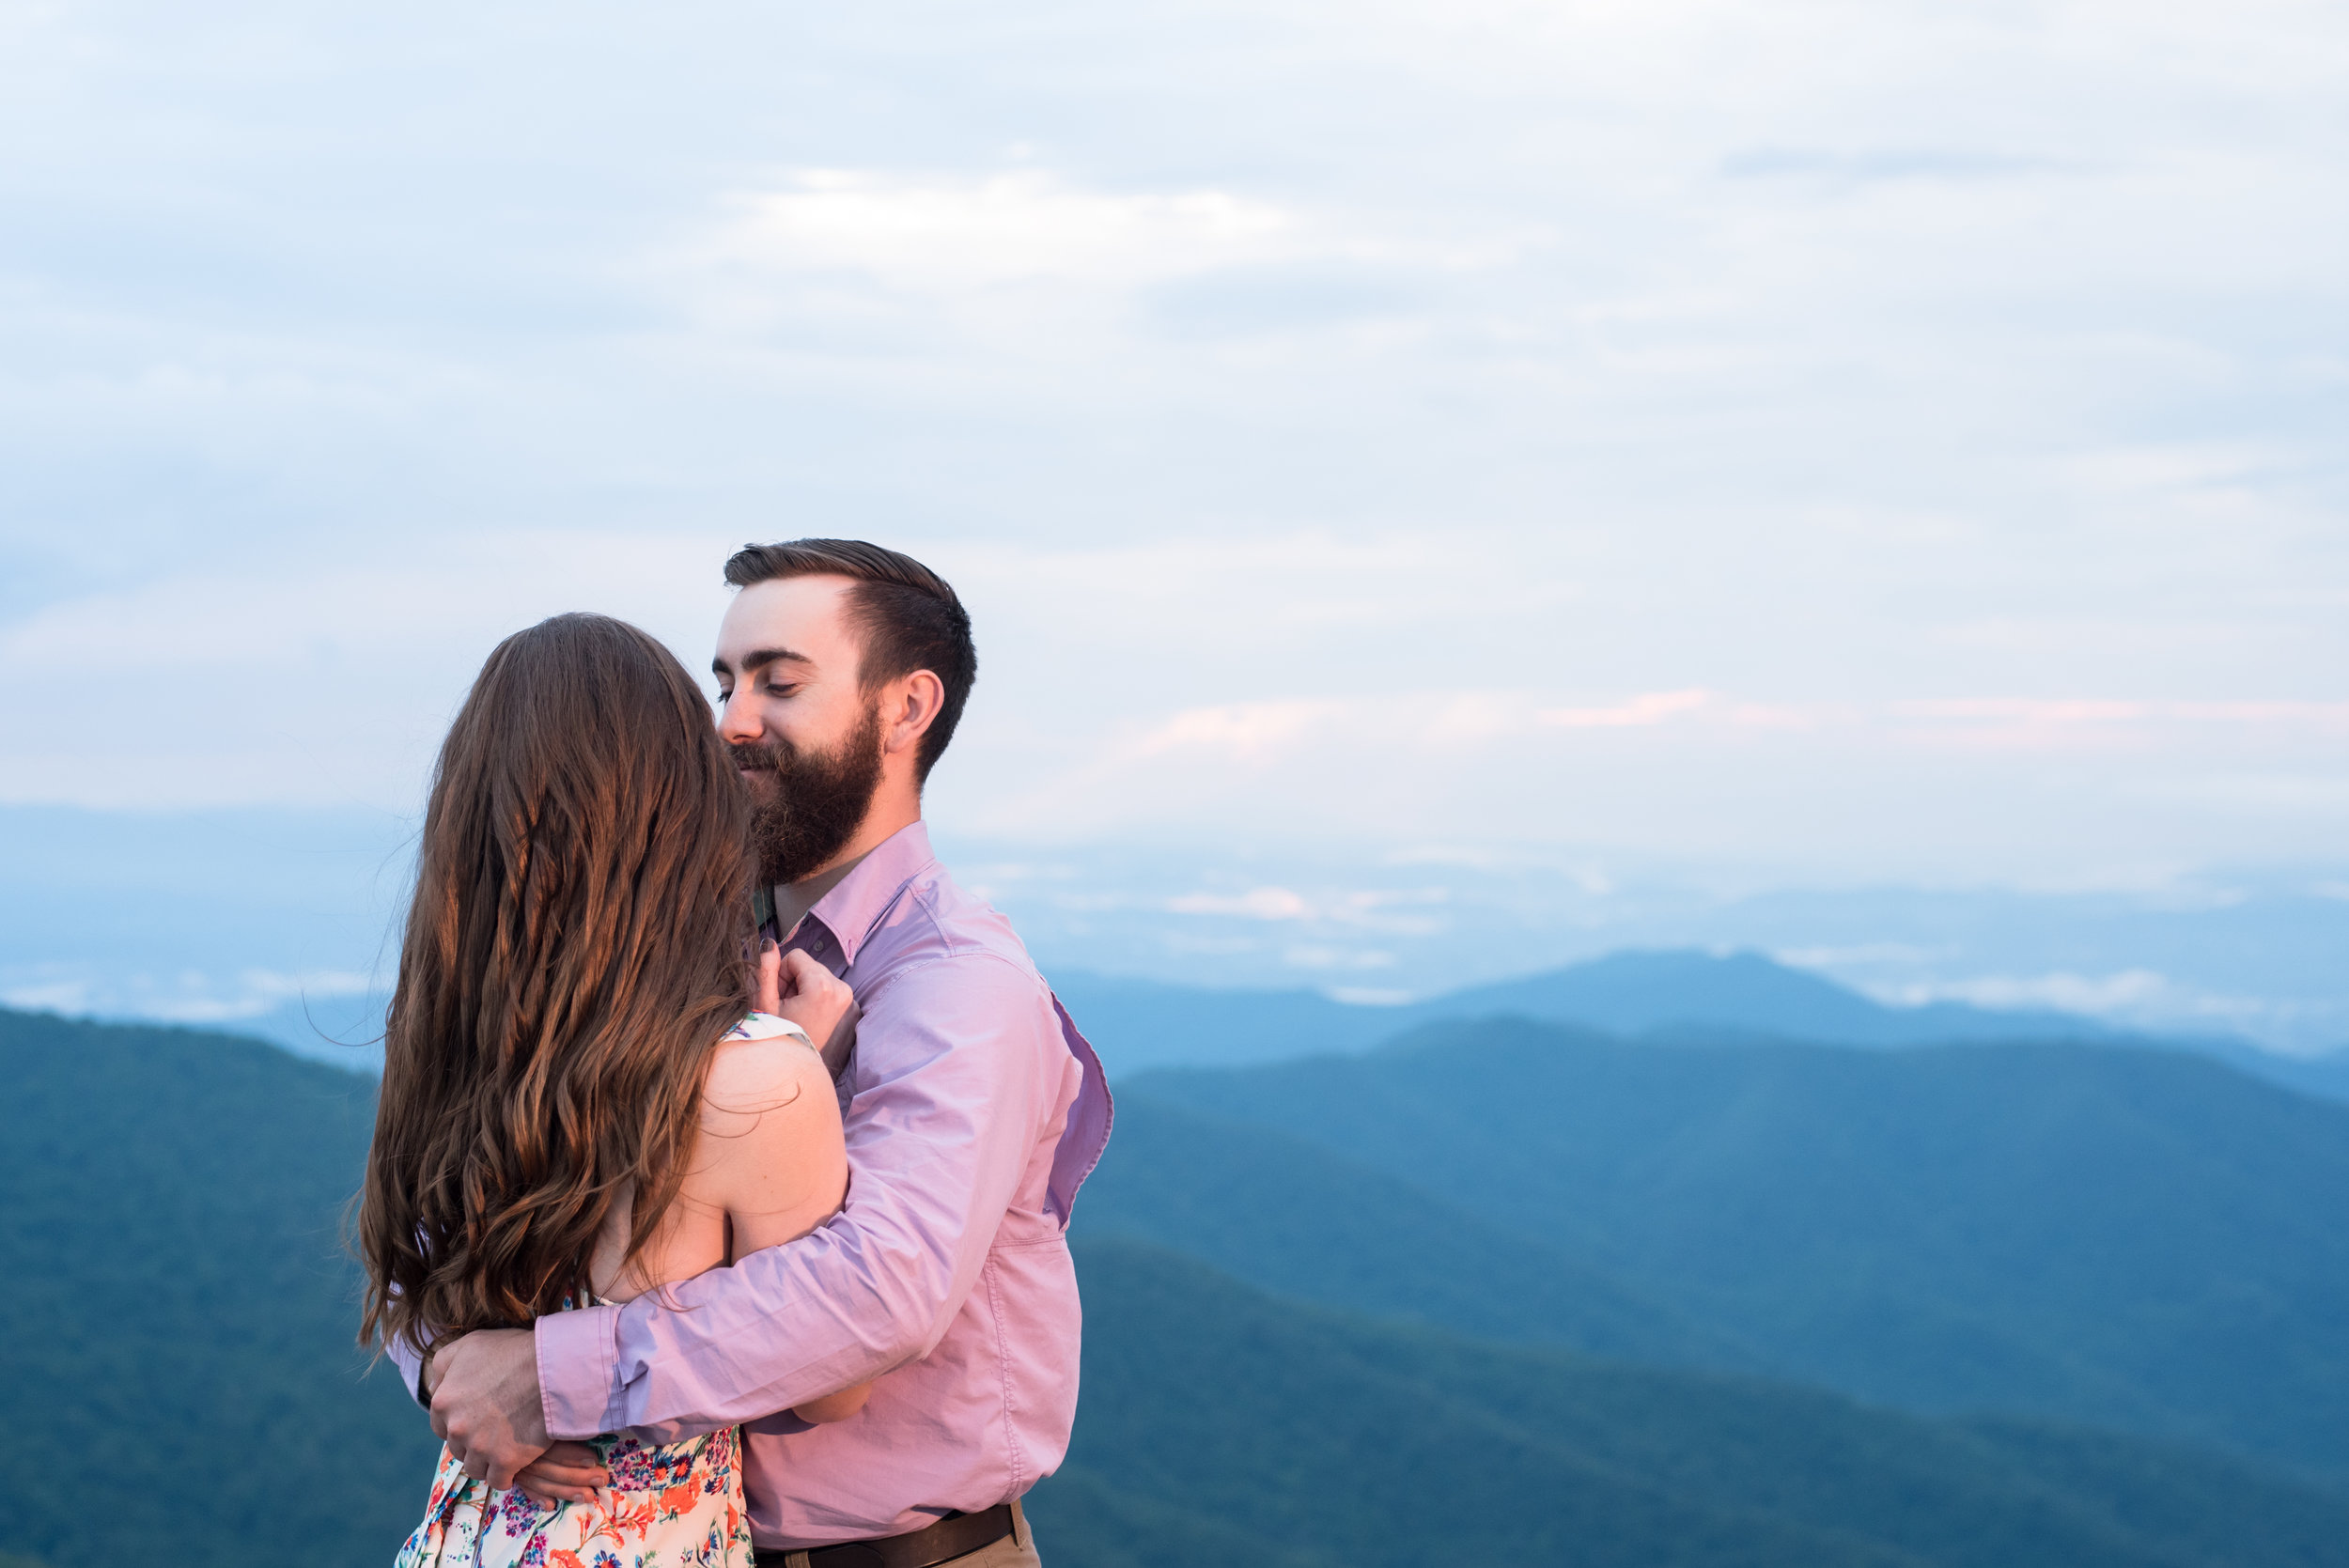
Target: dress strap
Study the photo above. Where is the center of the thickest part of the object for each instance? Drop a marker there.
(766, 1026)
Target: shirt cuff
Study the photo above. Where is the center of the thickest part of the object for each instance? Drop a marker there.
(579, 1358)
(409, 1364)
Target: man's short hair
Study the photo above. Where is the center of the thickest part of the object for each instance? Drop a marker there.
(906, 614)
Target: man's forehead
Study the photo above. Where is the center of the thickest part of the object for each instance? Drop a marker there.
(798, 617)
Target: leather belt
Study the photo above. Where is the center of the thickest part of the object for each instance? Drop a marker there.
(955, 1535)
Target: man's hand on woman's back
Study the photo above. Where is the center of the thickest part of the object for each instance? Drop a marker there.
(486, 1402)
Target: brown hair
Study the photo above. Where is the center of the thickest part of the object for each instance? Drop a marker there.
(573, 954)
(907, 614)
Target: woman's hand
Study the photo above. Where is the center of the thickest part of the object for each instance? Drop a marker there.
(809, 995)
(568, 1472)
(766, 982)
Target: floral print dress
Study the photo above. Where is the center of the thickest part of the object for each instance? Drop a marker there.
(678, 1505)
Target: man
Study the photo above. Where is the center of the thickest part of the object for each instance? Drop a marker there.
(973, 1111)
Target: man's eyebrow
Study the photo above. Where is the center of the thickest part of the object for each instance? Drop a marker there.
(758, 659)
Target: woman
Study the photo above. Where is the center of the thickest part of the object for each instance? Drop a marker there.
(579, 1102)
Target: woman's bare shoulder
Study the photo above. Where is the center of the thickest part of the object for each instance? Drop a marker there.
(752, 1080)
(771, 1128)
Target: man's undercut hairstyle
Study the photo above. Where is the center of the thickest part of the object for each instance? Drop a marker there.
(906, 616)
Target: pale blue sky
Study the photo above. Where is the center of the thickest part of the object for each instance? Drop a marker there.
(1840, 444)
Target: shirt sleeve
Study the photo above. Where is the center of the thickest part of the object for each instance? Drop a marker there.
(960, 1062)
(410, 1365)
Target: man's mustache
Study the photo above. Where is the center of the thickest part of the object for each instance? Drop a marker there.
(756, 760)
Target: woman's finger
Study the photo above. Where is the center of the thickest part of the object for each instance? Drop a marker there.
(769, 976)
(547, 1474)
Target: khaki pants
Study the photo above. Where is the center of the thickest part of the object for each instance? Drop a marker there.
(1015, 1550)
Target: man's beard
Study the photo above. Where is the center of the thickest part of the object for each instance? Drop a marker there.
(816, 803)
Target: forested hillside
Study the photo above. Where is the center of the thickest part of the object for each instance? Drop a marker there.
(176, 1351)
(176, 1344)
(2132, 1238)
(1302, 1437)
(1307, 1222)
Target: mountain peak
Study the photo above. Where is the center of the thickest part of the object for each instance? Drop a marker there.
(1641, 990)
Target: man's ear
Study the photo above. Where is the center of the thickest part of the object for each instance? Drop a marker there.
(914, 708)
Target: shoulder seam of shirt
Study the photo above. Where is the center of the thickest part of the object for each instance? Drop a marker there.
(925, 897)
(898, 895)
(972, 950)
(927, 891)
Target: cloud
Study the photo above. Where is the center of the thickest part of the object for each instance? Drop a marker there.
(1887, 165)
(185, 996)
(1239, 732)
(325, 686)
(1256, 904)
(2278, 794)
(1649, 707)
(1369, 996)
(2070, 711)
(1254, 730)
(2128, 992)
(1373, 908)
(1673, 426)
(1863, 954)
(1313, 956)
(954, 232)
(2142, 997)
(2090, 724)
(51, 993)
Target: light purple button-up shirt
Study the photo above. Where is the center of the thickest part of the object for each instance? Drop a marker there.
(975, 1111)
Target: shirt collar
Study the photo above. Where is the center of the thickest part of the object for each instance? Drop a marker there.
(853, 908)
(805, 895)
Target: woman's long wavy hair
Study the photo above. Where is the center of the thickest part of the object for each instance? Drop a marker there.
(574, 952)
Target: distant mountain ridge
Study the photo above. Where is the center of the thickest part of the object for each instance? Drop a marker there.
(1139, 1024)
(1143, 1023)
(1637, 991)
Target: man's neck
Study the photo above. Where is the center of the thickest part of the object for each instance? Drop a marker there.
(794, 899)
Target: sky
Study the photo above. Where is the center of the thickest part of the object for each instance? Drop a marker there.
(1802, 447)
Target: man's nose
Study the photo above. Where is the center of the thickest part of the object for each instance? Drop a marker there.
(737, 719)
